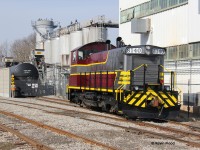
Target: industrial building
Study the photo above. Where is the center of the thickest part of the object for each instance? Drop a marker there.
(54, 43)
(173, 24)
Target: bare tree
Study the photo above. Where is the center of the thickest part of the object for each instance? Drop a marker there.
(21, 49)
(4, 49)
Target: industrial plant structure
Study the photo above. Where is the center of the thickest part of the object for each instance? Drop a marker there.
(54, 43)
(173, 24)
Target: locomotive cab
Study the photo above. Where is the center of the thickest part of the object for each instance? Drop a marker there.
(88, 53)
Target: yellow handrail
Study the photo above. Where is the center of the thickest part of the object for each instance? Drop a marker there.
(175, 74)
(138, 67)
(117, 90)
(122, 85)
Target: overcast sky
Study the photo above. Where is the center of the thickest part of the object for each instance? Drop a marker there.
(16, 15)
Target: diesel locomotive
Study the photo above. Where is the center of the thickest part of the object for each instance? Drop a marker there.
(123, 79)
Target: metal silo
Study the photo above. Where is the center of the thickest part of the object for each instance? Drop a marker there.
(75, 39)
(93, 36)
(97, 34)
(47, 51)
(42, 28)
(85, 38)
(64, 44)
(56, 56)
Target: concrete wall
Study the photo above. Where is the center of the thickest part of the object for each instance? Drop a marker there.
(5, 82)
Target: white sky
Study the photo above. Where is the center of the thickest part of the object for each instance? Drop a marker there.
(16, 15)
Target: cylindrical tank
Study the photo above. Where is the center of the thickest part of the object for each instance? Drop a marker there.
(97, 34)
(64, 44)
(55, 45)
(85, 35)
(42, 27)
(24, 70)
(75, 39)
(93, 34)
(47, 51)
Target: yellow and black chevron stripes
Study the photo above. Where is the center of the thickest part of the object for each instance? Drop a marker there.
(125, 75)
(139, 98)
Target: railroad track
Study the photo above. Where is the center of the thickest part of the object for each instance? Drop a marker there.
(130, 129)
(25, 138)
(55, 130)
(67, 103)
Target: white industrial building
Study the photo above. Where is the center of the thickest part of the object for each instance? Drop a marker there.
(173, 24)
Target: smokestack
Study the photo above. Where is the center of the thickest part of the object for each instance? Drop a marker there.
(108, 46)
(118, 42)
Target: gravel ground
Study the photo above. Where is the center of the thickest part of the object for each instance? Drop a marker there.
(103, 133)
(9, 141)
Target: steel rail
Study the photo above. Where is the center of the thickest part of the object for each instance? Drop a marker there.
(146, 124)
(58, 101)
(118, 119)
(59, 131)
(195, 128)
(29, 140)
(173, 122)
(144, 131)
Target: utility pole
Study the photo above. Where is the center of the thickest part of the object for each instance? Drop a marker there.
(188, 108)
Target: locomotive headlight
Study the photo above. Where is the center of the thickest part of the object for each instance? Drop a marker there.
(158, 51)
(136, 88)
(147, 52)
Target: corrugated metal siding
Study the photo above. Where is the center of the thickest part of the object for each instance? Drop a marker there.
(5, 82)
(194, 20)
(168, 28)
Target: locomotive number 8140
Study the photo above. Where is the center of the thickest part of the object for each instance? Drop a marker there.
(129, 79)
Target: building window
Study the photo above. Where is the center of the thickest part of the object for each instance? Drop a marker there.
(183, 52)
(172, 53)
(149, 8)
(173, 2)
(199, 6)
(196, 50)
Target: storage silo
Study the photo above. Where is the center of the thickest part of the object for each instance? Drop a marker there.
(97, 34)
(64, 44)
(47, 51)
(75, 39)
(56, 55)
(42, 28)
(85, 32)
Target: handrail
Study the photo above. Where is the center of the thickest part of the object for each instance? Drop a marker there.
(175, 74)
(139, 67)
(118, 89)
(120, 92)
(122, 85)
